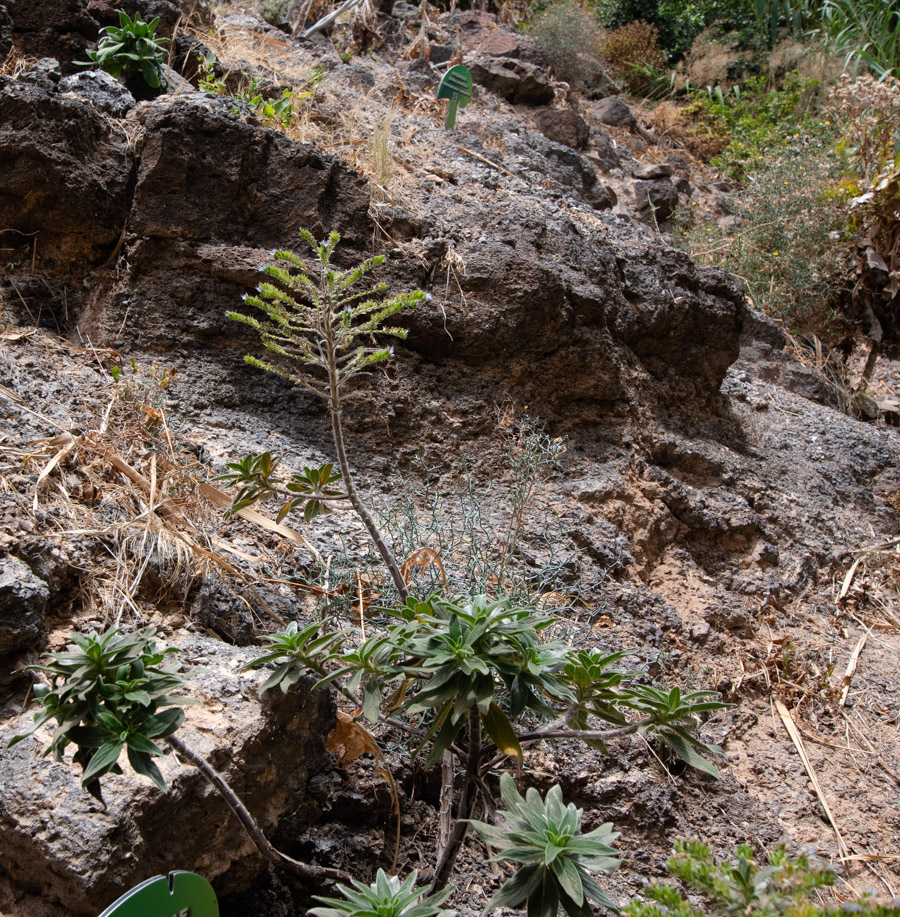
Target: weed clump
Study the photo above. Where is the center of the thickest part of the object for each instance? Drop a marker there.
(571, 35)
(635, 55)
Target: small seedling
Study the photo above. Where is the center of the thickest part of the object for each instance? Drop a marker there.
(556, 860)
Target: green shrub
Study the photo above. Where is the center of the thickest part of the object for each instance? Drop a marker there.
(787, 249)
(679, 22)
(866, 31)
(106, 692)
(387, 896)
(322, 330)
(634, 53)
(753, 119)
(556, 861)
(782, 887)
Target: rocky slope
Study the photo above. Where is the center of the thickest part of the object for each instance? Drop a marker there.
(709, 502)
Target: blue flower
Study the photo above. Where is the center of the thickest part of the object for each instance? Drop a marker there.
(428, 297)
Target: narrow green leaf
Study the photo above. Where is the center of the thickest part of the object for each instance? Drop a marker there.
(499, 728)
(102, 760)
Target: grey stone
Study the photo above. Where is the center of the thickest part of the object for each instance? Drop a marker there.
(602, 197)
(658, 197)
(441, 54)
(44, 73)
(357, 76)
(516, 81)
(604, 154)
(99, 89)
(23, 607)
(650, 170)
(562, 125)
(612, 110)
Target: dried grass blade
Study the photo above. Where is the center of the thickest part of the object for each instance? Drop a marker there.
(848, 579)
(477, 156)
(166, 508)
(223, 501)
(797, 739)
(851, 667)
(48, 468)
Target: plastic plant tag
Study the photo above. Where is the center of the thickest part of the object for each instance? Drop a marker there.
(180, 894)
(457, 87)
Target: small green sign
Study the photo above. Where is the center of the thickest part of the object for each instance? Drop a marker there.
(457, 87)
(180, 894)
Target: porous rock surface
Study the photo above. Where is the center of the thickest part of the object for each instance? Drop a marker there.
(196, 203)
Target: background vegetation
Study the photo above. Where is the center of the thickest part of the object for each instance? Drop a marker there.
(796, 104)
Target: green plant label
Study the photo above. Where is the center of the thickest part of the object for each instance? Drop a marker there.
(457, 87)
(180, 894)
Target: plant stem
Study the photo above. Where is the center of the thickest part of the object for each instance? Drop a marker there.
(246, 819)
(337, 434)
(449, 854)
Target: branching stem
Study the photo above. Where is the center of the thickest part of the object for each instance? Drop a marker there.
(247, 820)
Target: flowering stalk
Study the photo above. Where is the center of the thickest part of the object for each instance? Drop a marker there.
(320, 324)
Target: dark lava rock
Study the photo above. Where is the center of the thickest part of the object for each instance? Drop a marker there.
(64, 175)
(604, 154)
(213, 195)
(658, 198)
(612, 110)
(23, 606)
(218, 607)
(6, 32)
(516, 81)
(44, 73)
(62, 29)
(440, 54)
(99, 89)
(562, 125)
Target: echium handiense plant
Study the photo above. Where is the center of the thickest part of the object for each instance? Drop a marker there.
(316, 320)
